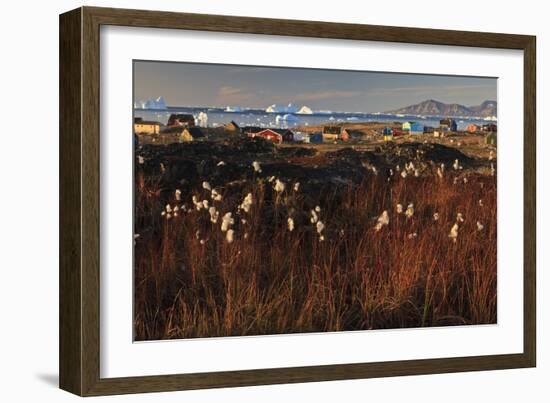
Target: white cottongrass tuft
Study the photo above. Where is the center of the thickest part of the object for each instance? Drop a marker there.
(440, 173)
(271, 179)
(257, 167)
(247, 203)
(314, 217)
(456, 165)
(197, 234)
(416, 173)
(162, 168)
(206, 185)
(214, 214)
(290, 224)
(399, 208)
(279, 186)
(384, 219)
(454, 232)
(215, 195)
(198, 203)
(177, 193)
(205, 204)
(220, 164)
(480, 202)
(227, 221)
(459, 217)
(318, 209)
(412, 235)
(436, 216)
(141, 160)
(297, 186)
(480, 226)
(320, 227)
(403, 174)
(465, 180)
(202, 241)
(168, 208)
(410, 210)
(229, 236)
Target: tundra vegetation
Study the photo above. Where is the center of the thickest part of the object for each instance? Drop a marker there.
(243, 237)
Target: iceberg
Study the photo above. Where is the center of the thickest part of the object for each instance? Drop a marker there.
(290, 108)
(233, 109)
(273, 109)
(158, 104)
(284, 120)
(202, 119)
(305, 110)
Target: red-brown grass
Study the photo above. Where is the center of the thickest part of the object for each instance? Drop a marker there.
(273, 281)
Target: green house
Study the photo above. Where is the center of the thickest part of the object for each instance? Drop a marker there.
(407, 126)
(491, 139)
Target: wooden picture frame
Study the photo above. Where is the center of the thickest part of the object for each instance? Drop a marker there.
(79, 201)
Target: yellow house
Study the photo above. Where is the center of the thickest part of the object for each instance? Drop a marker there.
(332, 133)
(146, 127)
(191, 134)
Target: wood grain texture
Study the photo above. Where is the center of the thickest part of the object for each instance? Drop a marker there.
(80, 200)
(530, 202)
(70, 275)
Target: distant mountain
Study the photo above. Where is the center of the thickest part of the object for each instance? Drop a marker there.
(435, 108)
(487, 108)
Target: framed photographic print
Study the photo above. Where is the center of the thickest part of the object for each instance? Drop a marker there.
(250, 201)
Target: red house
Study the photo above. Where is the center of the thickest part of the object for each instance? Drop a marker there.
(180, 119)
(350, 134)
(275, 135)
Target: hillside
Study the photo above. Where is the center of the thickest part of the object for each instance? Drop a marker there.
(436, 108)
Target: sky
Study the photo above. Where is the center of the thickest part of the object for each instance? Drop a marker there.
(190, 84)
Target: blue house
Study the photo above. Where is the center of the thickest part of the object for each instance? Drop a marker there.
(416, 128)
(388, 133)
(447, 125)
(314, 138)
